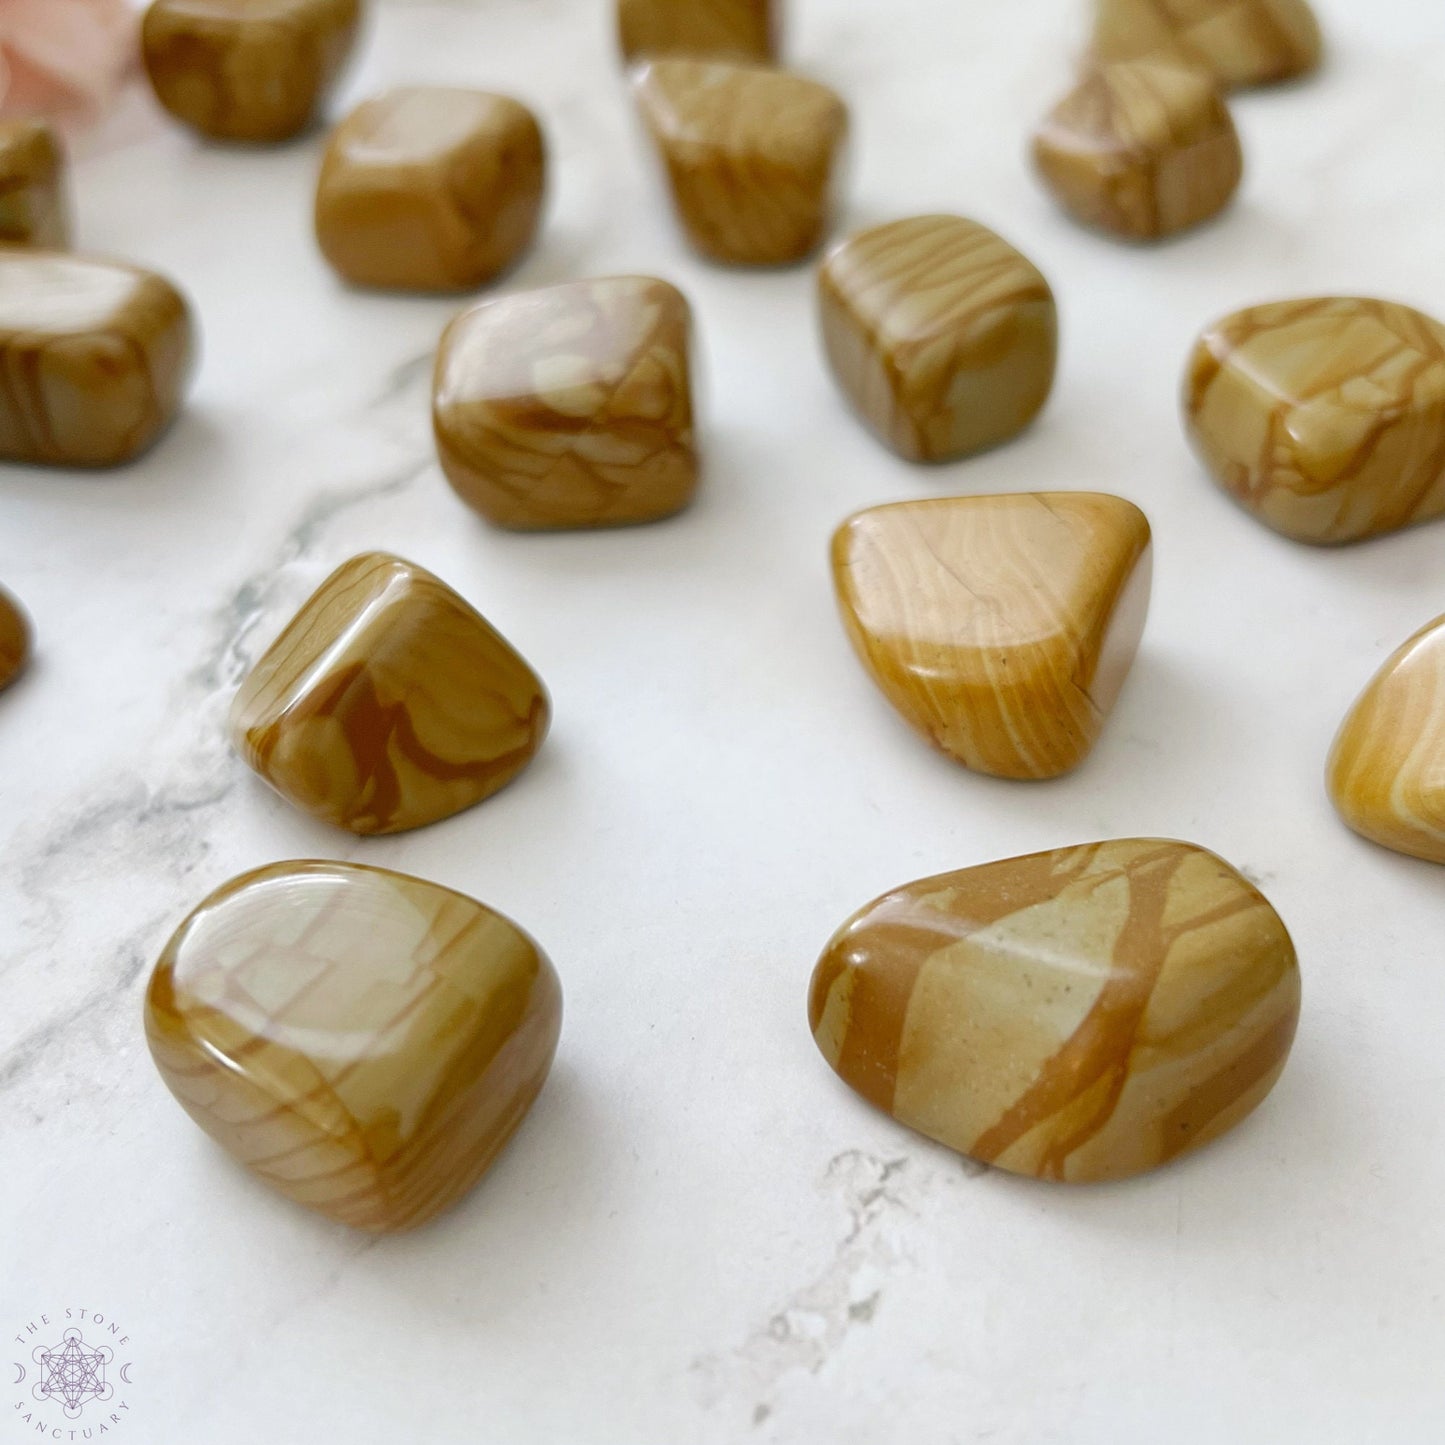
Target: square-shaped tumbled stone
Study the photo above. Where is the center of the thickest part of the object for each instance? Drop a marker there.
(1143, 150)
(940, 333)
(388, 702)
(1326, 417)
(34, 209)
(1238, 42)
(94, 358)
(247, 70)
(570, 406)
(722, 29)
(750, 155)
(364, 1042)
(430, 188)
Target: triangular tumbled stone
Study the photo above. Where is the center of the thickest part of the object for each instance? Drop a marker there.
(1387, 770)
(1002, 628)
(1079, 1015)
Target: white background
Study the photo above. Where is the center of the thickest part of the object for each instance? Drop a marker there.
(700, 1234)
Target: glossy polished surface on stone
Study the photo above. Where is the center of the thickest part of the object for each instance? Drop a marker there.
(1001, 628)
(1239, 42)
(1325, 418)
(364, 1042)
(1386, 773)
(1078, 1015)
(431, 188)
(94, 358)
(34, 208)
(1143, 150)
(388, 702)
(750, 155)
(718, 29)
(570, 406)
(942, 335)
(247, 70)
(14, 639)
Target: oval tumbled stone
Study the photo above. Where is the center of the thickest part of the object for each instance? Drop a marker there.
(1082, 1014)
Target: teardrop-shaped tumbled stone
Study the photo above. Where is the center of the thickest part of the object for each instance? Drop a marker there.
(1386, 771)
(1002, 628)
(14, 639)
(363, 1041)
(1083, 1014)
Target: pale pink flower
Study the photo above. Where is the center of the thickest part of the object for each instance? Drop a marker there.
(64, 59)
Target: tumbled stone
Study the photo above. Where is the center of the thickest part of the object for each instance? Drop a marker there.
(1001, 628)
(1386, 773)
(1325, 418)
(942, 335)
(430, 188)
(720, 29)
(388, 703)
(1238, 42)
(364, 1042)
(1078, 1015)
(570, 406)
(34, 209)
(14, 639)
(750, 155)
(1143, 150)
(247, 70)
(94, 358)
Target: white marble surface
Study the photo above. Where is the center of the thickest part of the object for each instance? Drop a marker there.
(700, 1235)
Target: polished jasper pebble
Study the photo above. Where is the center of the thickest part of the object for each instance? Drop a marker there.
(94, 358)
(247, 70)
(388, 703)
(940, 333)
(430, 188)
(1143, 150)
(570, 406)
(750, 155)
(1239, 42)
(1078, 1015)
(364, 1042)
(1001, 628)
(723, 29)
(1386, 772)
(14, 639)
(34, 209)
(1325, 418)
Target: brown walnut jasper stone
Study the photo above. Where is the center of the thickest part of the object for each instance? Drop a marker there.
(717, 29)
(94, 358)
(1142, 150)
(14, 639)
(431, 188)
(364, 1042)
(247, 70)
(1324, 417)
(388, 703)
(34, 209)
(1080, 1015)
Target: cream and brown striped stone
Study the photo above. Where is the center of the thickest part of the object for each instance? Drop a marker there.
(1078, 1015)
(717, 29)
(247, 70)
(1001, 628)
(1238, 42)
(1142, 149)
(1324, 417)
(14, 639)
(94, 358)
(1386, 773)
(388, 703)
(751, 155)
(34, 207)
(942, 335)
(570, 406)
(364, 1042)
